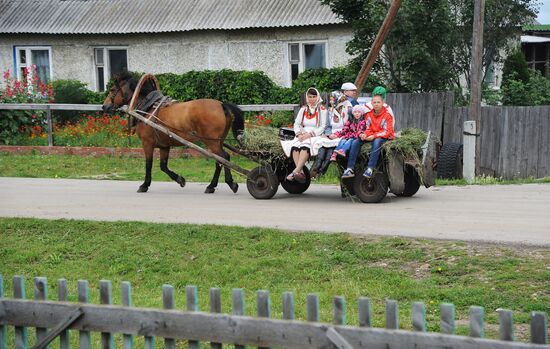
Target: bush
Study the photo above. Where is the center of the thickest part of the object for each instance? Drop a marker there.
(14, 122)
(239, 87)
(73, 92)
(327, 80)
(535, 92)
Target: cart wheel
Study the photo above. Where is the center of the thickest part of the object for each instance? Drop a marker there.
(295, 187)
(262, 183)
(412, 182)
(372, 189)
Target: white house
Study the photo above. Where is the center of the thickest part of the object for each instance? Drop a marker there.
(90, 40)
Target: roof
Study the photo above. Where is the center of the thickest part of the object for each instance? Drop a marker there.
(536, 27)
(531, 39)
(155, 16)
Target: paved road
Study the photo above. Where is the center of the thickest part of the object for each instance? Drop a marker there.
(511, 213)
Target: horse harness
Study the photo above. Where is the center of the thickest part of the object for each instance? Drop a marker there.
(154, 100)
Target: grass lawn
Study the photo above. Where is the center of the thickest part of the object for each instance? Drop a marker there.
(129, 168)
(406, 270)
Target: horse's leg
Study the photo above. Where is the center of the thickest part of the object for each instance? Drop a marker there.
(148, 150)
(214, 183)
(228, 177)
(164, 154)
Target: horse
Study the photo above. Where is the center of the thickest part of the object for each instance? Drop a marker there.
(205, 120)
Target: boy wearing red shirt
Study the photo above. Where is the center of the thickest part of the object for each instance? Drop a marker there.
(379, 130)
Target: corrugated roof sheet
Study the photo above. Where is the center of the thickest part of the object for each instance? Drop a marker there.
(154, 16)
(536, 27)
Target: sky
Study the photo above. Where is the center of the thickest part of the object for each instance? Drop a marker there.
(544, 12)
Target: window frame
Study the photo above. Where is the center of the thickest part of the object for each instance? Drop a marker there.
(28, 56)
(105, 65)
(301, 53)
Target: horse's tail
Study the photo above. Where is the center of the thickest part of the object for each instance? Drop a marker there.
(237, 126)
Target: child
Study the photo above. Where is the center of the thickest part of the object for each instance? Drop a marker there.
(379, 128)
(337, 118)
(351, 131)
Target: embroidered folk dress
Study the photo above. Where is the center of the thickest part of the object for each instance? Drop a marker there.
(337, 122)
(309, 120)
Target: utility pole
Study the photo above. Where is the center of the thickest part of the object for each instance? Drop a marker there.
(476, 75)
(377, 45)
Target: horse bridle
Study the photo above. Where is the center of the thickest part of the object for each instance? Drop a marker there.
(125, 96)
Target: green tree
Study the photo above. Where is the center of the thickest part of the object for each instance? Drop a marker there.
(429, 46)
(515, 67)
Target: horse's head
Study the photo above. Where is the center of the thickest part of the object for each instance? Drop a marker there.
(120, 93)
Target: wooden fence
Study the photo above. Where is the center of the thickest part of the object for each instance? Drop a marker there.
(515, 141)
(55, 318)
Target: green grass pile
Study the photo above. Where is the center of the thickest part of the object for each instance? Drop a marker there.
(264, 141)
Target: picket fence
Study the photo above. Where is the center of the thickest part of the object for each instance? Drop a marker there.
(54, 318)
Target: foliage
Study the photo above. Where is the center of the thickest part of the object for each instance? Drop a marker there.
(99, 130)
(29, 90)
(535, 92)
(429, 45)
(73, 92)
(515, 67)
(149, 255)
(239, 87)
(327, 80)
(263, 140)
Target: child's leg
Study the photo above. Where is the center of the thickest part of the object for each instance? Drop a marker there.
(321, 156)
(324, 166)
(354, 152)
(375, 152)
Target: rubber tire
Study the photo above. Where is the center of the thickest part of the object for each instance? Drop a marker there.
(295, 187)
(371, 190)
(449, 164)
(262, 183)
(412, 182)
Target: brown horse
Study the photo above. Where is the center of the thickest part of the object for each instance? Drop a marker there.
(205, 120)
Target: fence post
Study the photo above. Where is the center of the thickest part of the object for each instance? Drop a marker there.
(469, 151)
(41, 294)
(237, 299)
(168, 302)
(539, 327)
(192, 305)
(476, 322)
(215, 307)
(84, 297)
(50, 127)
(263, 305)
(106, 297)
(339, 312)
(62, 296)
(126, 290)
(447, 318)
(392, 315)
(288, 306)
(3, 332)
(506, 325)
(312, 302)
(365, 312)
(419, 316)
(21, 333)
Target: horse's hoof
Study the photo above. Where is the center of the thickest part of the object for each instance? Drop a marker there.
(234, 186)
(142, 189)
(181, 181)
(209, 190)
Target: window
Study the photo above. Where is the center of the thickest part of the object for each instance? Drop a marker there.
(40, 56)
(109, 61)
(538, 57)
(308, 55)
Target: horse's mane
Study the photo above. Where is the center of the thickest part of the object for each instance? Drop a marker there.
(147, 87)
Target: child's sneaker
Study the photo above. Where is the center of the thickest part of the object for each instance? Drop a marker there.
(368, 172)
(348, 173)
(340, 152)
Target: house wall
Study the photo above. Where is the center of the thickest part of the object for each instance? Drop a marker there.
(251, 49)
